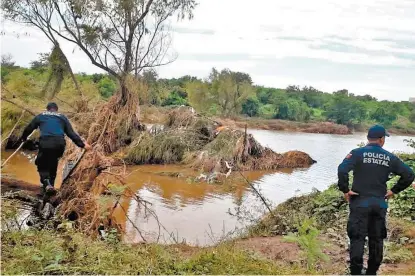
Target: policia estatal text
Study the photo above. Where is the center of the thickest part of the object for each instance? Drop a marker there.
(53, 127)
(372, 166)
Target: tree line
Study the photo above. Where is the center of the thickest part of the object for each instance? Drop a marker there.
(227, 93)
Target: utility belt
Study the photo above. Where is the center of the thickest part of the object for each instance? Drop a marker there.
(51, 142)
(368, 201)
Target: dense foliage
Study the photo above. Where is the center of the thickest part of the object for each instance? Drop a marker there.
(228, 93)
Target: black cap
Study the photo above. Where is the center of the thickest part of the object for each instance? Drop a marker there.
(52, 105)
(376, 132)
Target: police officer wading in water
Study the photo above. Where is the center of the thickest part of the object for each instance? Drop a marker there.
(368, 196)
(53, 127)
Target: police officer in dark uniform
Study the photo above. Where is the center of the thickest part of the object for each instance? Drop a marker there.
(372, 166)
(53, 127)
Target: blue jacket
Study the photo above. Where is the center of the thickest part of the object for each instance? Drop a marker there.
(52, 124)
(372, 166)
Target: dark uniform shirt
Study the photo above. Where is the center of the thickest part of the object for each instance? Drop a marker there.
(52, 124)
(372, 166)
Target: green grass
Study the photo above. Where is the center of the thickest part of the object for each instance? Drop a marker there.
(50, 252)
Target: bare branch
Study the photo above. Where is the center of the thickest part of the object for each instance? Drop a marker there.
(77, 40)
(144, 14)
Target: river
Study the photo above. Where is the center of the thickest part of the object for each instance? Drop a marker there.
(201, 213)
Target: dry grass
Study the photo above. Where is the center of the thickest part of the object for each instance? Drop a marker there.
(110, 127)
(328, 128)
(243, 152)
(192, 140)
(167, 147)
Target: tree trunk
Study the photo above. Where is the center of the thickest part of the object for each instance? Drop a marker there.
(124, 93)
(72, 74)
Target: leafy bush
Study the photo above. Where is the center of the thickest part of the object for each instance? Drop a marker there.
(175, 98)
(402, 205)
(328, 206)
(106, 87)
(251, 107)
(267, 111)
(307, 239)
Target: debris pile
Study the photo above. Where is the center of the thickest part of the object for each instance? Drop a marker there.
(206, 145)
(108, 128)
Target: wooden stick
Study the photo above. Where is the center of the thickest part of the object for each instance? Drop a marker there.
(259, 195)
(11, 132)
(14, 153)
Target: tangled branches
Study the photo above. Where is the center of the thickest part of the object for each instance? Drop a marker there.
(84, 195)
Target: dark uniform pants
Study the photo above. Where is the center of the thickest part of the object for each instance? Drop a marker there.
(366, 221)
(50, 150)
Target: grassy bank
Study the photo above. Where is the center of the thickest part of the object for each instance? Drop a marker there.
(291, 245)
(66, 251)
(50, 252)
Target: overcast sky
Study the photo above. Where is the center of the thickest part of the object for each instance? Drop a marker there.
(365, 46)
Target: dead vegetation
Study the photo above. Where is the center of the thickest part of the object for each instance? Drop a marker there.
(108, 128)
(196, 141)
(328, 128)
(283, 125)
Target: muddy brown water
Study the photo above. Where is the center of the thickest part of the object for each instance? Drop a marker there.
(203, 214)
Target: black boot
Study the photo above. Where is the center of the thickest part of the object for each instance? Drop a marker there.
(371, 271)
(49, 190)
(52, 181)
(355, 270)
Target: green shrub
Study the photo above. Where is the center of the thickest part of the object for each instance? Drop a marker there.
(307, 239)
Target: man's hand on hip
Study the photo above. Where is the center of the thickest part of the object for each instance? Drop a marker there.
(389, 194)
(349, 194)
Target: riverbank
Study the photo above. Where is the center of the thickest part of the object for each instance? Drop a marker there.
(304, 235)
(157, 115)
(306, 127)
(318, 247)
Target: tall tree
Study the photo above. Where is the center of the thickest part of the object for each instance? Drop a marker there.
(345, 109)
(121, 36)
(7, 60)
(40, 14)
(230, 94)
(199, 95)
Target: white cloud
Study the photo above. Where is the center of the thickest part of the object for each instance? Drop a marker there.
(369, 36)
